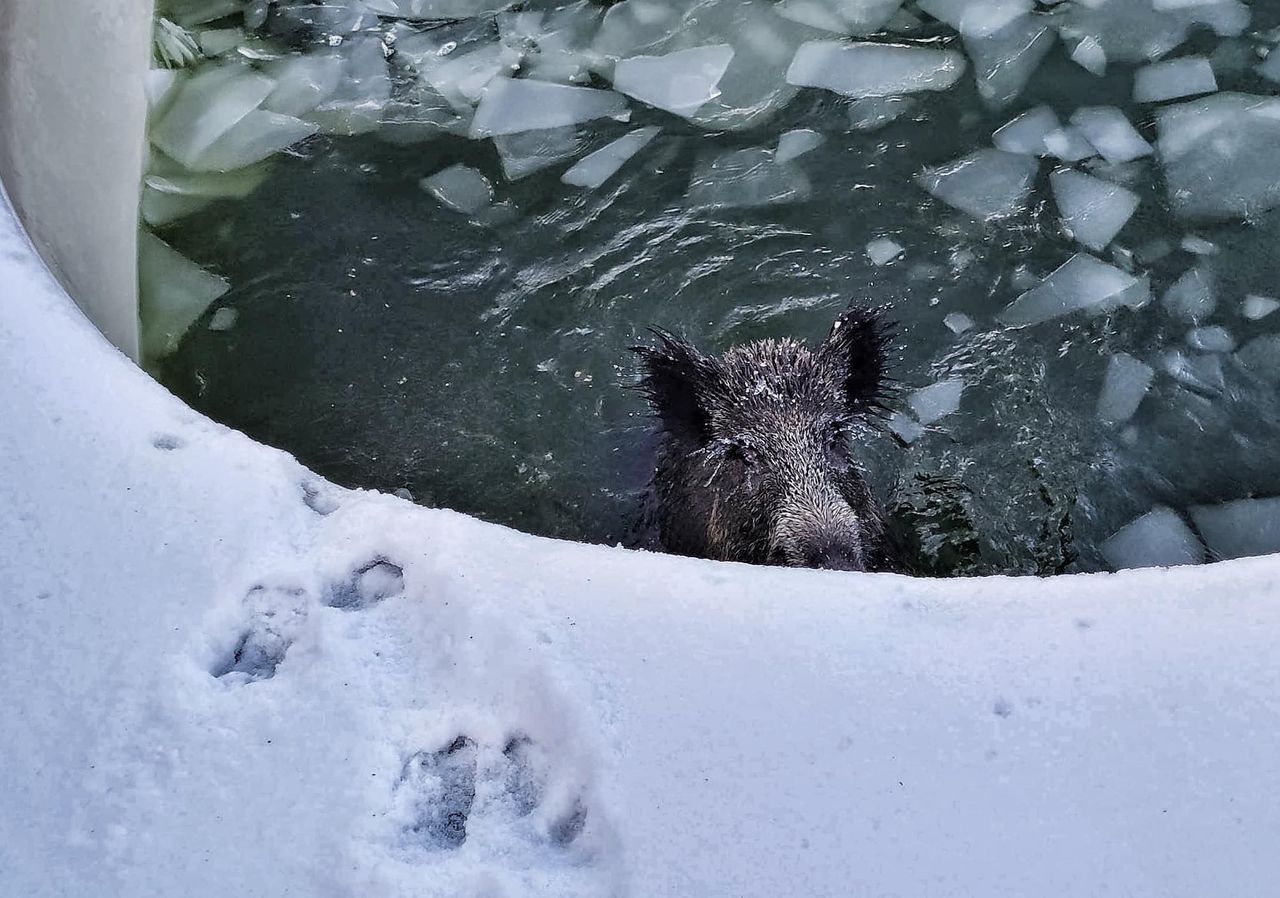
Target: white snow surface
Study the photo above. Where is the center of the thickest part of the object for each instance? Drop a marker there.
(223, 676)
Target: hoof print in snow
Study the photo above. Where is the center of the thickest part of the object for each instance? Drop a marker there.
(367, 586)
(167, 442)
(317, 496)
(445, 783)
(466, 785)
(276, 615)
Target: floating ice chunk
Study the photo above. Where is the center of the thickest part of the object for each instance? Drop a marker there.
(1219, 155)
(220, 41)
(198, 12)
(870, 113)
(598, 167)
(796, 143)
(510, 106)
(554, 43)
(853, 17)
(1160, 538)
(223, 319)
(1214, 338)
(257, 136)
(1269, 68)
(1026, 132)
(1109, 131)
(205, 107)
(986, 183)
(1240, 529)
(1089, 55)
(1092, 209)
(1256, 307)
(1003, 62)
(907, 428)
(174, 293)
(355, 106)
(977, 18)
(1192, 297)
(1172, 79)
(750, 177)
(1134, 31)
(462, 77)
(882, 251)
(460, 188)
(873, 70)
(678, 82)
(1261, 355)
(171, 191)
(1080, 283)
(1123, 387)
(160, 87)
(1069, 145)
(634, 27)
(937, 400)
(1199, 372)
(302, 82)
(531, 151)
(1198, 246)
(957, 322)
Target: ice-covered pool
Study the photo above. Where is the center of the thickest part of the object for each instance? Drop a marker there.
(437, 225)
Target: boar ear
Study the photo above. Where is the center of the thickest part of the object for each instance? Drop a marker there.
(857, 351)
(674, 381)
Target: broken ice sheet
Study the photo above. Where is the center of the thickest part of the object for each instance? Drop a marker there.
(937, 400)
(1004, 61)
(1256, 307)
(1081, 283)
(1240, 529)
(206, 106)
(679, 82)
(303, 82)
(749, 177)
(859, 18)
(257, 136)
(1135, 31)
(1068, 144)
(1093, 210)
(1026, 133)
(1110, 133)
(460, 188)
(873, 70)
(977, 18)
(531, 151)
(870, 113)
(1192, 297)
(986, 184)
(1219, 155)
(509, 106)
(883, 250)
(1172, 79)
(594, 169)
(1124, 385)
(1159, 538)
(797, 142)
(174, 292)
(907, 428)
(1196, 371)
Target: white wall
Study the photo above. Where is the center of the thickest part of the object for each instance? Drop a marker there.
(72, 113)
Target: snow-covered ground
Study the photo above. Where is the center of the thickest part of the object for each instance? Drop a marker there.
(222, 676)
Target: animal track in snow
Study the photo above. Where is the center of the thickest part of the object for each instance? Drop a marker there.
(368, 585)
(276, 616)
(447, 794)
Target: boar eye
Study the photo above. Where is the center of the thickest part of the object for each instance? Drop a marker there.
(741, 453)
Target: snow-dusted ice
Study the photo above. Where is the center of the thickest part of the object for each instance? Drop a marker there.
(1124, 386)
(874, 70)
(986, 183)
(1159, 538)
(596, 168)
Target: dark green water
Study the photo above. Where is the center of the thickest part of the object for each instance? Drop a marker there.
(389, 343)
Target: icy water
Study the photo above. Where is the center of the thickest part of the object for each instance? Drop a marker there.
(391, 342)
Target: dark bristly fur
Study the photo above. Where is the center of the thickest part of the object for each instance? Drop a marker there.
(757, 457)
